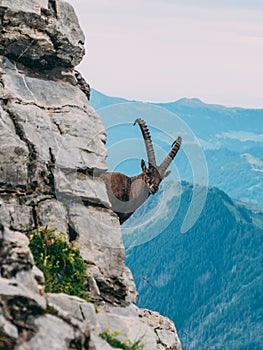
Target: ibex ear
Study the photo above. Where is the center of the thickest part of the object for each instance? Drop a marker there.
(143, 166)
(167, 173)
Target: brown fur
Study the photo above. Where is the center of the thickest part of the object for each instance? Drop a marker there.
(126, 194)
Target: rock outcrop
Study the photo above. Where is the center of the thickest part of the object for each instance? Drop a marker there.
(51, 144)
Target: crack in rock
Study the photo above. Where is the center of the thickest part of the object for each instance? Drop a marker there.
(32, 157)
(60, 39)
(50, 168)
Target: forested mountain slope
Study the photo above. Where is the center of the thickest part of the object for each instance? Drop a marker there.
(209, 280)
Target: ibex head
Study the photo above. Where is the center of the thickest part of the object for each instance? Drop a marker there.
(154, 174)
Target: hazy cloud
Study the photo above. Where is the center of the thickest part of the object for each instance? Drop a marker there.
(155, 50)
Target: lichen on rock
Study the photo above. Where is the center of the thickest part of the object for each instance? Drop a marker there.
(52, 142)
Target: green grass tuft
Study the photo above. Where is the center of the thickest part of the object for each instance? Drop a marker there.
(63, 267)
(111, 338)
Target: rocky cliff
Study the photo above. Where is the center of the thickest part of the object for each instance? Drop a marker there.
(51, 143)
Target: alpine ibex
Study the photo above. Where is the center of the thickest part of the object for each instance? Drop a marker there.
(126, 194)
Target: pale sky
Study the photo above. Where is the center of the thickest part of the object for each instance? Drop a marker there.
(164, 50)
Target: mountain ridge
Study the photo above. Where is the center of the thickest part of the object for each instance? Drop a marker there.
(207, 280)
(226, 135)
(187, 100)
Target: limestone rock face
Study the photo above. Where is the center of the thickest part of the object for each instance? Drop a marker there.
(42, 33)
(52, 145)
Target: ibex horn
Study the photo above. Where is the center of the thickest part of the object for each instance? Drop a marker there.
(167, 161)
(147, 140)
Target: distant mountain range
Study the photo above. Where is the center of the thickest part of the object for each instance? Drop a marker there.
(208, 280)
(232, 139)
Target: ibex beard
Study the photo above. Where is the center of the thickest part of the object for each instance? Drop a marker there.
(126, 194)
